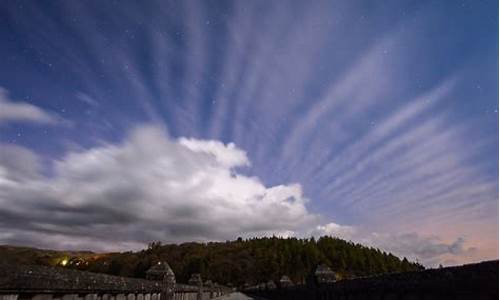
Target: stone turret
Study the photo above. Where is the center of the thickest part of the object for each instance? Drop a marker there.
(198, 282)
(195, 279)
(210, 285)
(162, 272)
(324, 274)
(159, 270)
(270, 285)
(285, 281)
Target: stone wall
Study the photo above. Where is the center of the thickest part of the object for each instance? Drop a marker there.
(475, 281)
(45, 283)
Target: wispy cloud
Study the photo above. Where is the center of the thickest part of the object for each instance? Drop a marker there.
(18, 111)
(87, 99)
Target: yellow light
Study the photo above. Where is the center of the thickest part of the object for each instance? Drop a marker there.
(64, 262)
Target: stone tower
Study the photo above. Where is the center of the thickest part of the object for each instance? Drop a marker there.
(324, 274)
(162, 272)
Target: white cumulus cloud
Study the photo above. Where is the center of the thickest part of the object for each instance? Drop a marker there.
(149, 187)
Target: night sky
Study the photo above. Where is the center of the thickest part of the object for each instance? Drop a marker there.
(125, 122)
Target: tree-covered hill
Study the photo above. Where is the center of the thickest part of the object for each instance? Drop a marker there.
(233, 262)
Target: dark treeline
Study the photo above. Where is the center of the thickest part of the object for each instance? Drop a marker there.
(246, 261)
(255, 260)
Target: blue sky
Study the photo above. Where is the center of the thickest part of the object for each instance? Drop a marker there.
(376, 122)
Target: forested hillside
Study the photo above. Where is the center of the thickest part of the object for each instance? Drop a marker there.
(232, 262)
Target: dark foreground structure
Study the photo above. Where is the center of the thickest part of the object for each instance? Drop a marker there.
(47, 283)
(474, 282)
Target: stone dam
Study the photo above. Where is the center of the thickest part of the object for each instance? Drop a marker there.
(46, 283)
(468, 282)
(474, 281)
